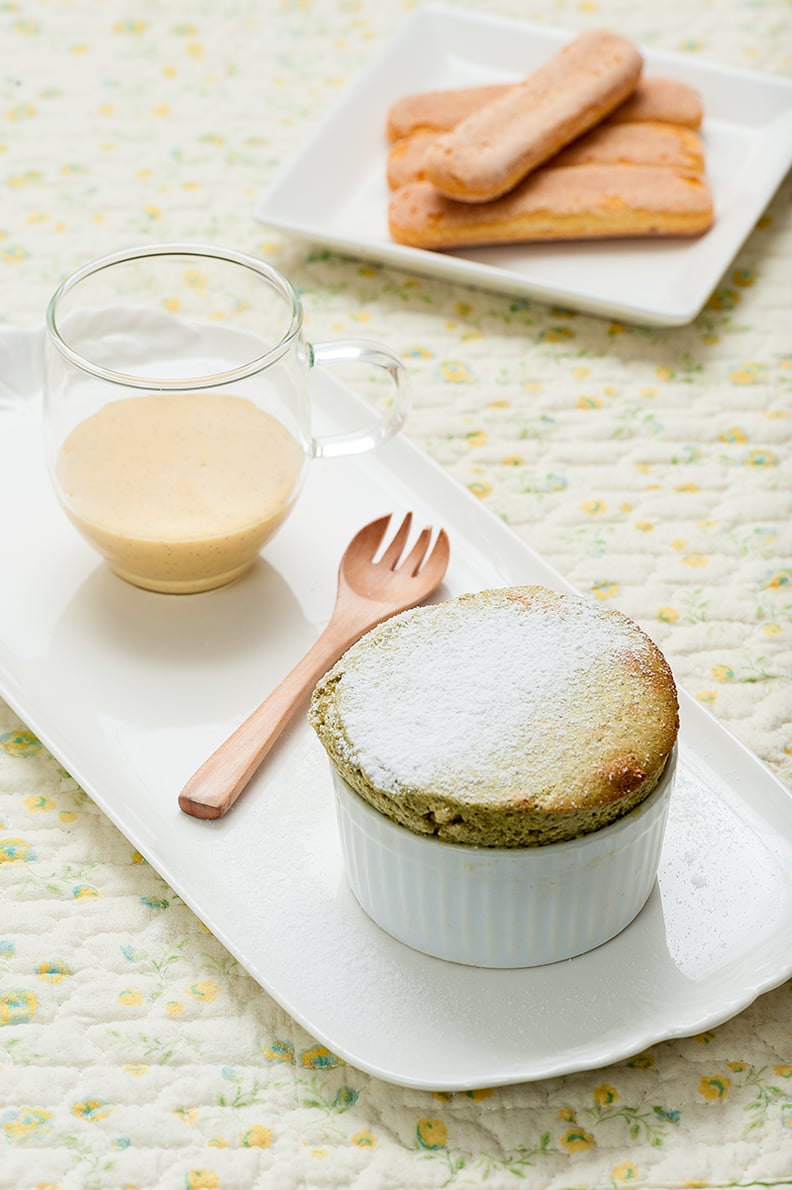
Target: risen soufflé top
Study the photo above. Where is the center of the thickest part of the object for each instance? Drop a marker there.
(504, 718)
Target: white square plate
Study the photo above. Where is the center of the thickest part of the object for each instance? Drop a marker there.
(334, 191)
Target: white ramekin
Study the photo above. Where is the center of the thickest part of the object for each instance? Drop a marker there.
(502, 907)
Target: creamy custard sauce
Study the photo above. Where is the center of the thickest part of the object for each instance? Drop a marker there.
(179, 491)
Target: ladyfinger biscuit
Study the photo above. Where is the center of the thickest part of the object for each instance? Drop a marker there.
(437, 111)
(579, 202)
(667, 100)
(494, 148)
(644, 143)
(649, 143)
(654, 98)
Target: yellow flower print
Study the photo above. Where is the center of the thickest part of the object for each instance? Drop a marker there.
(364, 1139)
(687, 487)
(22, 111)
(589, 402)
(712, 1087)
(188, 1114)
(456, 372)
(575, 1140)
(20, 743)
(642, 1062)
(704, 1038)
(67, 816)
(201, 1179)
(257, 1137)
(780, 578)
(277, 1051)
(92, 1110)
(556, 334)
(85, 891)
(605, 1094)
(53, 972)
(772, 629)
(783, 1071)
(624, 1172)
(16, 851)
(172, 304)
(617, 328)
(319, 1057)
(695, 560)
(761, 458)
(130, 998)
(733, 435)
(480, 1093)
(38, 804)
(17, 1007)
(137, 1069)
(174, 1008)
(195, 279)
(431, 1134)
(664, 373)
(217, 1142)
(479, 488)
(476, 438)
(194, 50)
(605, 590)
(748, 374)
(133, 27)
(513, 461)
(21, 1124)
(567, 1115)
(581, 372)
(722, 673)
(667, 615)
(206, 990)
(644, 526)
(593, 507)
(649, 393)
(737, 1067)
(744, 277)
(724, 298)
(707, 697)
(31, 177)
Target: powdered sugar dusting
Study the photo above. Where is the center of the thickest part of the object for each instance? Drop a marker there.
(445, 696)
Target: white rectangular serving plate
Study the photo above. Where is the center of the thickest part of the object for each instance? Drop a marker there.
(132, 690)
(334, 190)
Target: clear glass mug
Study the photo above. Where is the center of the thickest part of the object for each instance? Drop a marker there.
(177, 417)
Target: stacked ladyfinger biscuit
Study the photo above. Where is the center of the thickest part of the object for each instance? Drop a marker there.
(585, 147)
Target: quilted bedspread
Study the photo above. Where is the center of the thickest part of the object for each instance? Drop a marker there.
(651, 467)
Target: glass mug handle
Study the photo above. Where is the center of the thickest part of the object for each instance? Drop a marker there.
(342, 351)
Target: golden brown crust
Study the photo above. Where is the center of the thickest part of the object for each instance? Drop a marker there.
(578, 202)
(645, 143)
(503, 718)
(654, 98)
(490, 151)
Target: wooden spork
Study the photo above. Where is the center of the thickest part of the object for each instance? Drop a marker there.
(368, 592)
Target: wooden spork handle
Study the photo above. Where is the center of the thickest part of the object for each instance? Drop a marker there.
(216, 785)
